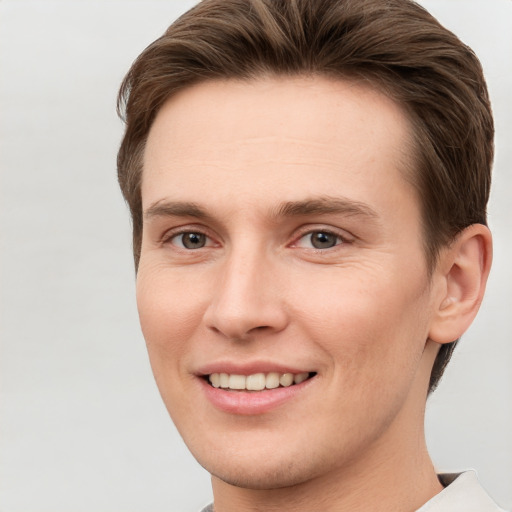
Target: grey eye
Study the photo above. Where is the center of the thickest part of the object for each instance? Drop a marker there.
(323, 239)
(192, 240)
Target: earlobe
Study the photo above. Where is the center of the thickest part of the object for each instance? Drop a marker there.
(462, 272)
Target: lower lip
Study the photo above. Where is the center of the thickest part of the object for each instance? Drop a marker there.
(252, 402)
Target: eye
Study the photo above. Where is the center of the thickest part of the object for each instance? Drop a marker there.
(190, 240)
(320, 240)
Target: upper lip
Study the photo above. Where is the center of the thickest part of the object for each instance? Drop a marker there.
(249, 368)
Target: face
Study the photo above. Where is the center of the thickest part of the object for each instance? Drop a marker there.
(282, 287)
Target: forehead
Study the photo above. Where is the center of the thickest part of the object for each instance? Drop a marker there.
(274, 135)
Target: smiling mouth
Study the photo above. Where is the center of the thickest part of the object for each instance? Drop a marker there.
(257, 381)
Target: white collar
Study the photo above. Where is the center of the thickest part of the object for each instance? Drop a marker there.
(462, 493)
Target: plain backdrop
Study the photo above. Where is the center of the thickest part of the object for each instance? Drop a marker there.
(82, 426)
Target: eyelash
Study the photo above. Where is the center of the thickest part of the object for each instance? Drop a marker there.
(169, 236)
(340, 239)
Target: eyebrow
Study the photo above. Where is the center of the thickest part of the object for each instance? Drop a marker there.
(326, 205)
(164, 208)
(315, 206)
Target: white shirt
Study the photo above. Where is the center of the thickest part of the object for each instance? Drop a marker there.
(462, 493)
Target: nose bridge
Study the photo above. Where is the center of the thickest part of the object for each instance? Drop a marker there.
(247, 296)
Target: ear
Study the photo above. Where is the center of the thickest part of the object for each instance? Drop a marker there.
(461, 275)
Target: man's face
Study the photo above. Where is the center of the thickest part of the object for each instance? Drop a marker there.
(280, 237)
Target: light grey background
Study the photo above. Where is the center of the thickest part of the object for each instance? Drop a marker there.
(82, 425)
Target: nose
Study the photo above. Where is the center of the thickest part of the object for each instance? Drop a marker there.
(247, 298)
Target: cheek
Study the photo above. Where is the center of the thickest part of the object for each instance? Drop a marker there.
(368, 326)
(374, 338)
(169, 316)
(169, 312)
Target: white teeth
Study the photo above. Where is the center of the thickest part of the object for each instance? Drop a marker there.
(237, 382)
(300, 377)
(272, 380)
(224, 380)
(256, 381)
(215, 380)
(286, 379)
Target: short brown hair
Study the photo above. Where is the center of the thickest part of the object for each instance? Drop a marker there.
(394, 45)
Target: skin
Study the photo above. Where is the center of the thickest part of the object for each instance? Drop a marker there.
(253, 158)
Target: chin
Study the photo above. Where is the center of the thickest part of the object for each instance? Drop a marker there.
(263, 471)
(275, 477)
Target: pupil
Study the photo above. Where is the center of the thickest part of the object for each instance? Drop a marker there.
(321, 240)
(193, 240)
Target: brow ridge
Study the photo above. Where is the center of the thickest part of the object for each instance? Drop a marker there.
(313, 206)
(325, 205)
(164, 208)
